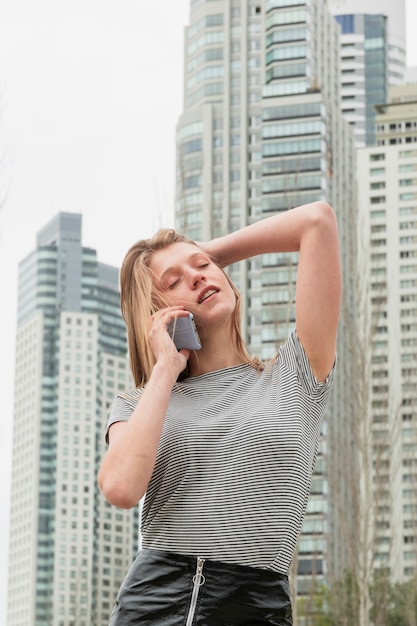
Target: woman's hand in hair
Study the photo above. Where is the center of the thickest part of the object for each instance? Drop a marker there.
(212, 251)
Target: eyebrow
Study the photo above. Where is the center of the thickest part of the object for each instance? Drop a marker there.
(192, 256)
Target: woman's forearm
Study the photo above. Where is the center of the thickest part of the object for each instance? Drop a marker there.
(129, 461)
(280, 233)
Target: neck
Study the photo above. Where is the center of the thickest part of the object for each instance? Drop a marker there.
(218, 352)
(203, 361)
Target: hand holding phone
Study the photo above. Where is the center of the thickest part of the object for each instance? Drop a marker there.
(184, 333)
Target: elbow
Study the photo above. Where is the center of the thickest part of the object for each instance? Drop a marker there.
(321, 225)
(117, 494)
(120, 500)
(322, 215)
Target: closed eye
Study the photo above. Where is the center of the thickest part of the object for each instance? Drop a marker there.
(173, 284)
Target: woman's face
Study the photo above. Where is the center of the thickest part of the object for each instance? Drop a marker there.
(186, 276)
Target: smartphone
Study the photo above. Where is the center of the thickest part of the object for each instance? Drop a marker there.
(184, 333)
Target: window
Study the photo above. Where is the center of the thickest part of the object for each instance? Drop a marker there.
(378, 214)
(378, 200)
(404, 154)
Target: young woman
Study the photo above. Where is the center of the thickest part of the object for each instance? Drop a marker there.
(222, 446)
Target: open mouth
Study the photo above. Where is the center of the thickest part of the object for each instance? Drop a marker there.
(207, 294)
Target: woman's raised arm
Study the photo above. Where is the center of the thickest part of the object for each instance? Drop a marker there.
(310, 229)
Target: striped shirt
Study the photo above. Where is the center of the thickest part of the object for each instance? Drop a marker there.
(233, 470)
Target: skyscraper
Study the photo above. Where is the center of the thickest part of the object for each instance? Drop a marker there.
(372, 58)
(69, 549)
(387, 184)
(262, 132)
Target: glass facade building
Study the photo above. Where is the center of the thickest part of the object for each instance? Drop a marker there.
(372, 58)
(364, 71)
(261, 132)
(69, 549)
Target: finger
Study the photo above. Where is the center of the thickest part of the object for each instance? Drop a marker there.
(164, 315)
(167, 310)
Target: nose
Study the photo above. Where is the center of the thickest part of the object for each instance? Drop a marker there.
(196, 277)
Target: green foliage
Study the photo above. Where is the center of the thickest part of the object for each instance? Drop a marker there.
(394, 605)
(312, 609)
(338, 605)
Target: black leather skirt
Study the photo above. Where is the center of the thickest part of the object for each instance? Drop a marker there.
(168, 589)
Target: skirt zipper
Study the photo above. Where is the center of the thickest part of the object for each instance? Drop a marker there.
(198, 580)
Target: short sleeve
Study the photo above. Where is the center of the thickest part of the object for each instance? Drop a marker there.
(294, 357)
(122, 408)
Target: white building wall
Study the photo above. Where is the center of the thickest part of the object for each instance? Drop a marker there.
(75, 477)
(25, 474)
(387, 191)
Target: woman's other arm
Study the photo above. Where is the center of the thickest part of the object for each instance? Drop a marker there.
(128, 464)
(312, 230)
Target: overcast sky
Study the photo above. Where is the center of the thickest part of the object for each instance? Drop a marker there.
(90, 92)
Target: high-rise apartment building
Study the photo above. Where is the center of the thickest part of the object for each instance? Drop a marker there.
(373, 56)
(262, 132)
(387, 184)
(69, 549)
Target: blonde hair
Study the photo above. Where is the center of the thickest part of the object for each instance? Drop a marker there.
(140, 298)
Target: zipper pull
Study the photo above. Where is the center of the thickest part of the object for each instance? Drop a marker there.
(199, 578)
